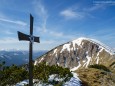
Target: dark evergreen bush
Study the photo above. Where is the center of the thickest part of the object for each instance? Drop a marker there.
(10, 75)
(43, 71)
(99, 66)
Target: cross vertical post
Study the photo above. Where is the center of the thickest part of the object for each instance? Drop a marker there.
(30, 50)
(31, 39)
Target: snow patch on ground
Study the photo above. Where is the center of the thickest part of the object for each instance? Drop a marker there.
(65, 46)
(98, 55)
(35, 63)
(55, 52)
(41, 60)
(84, 61)
(74, 81)
(77, 58)
(97, 60)
(25, 82)
(88, 61)
(58, 63)
(77, 41)
(75, 68)
(54, 77)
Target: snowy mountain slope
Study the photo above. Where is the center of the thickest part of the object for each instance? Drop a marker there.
(79, 53)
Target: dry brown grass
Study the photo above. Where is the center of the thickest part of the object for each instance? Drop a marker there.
(96, 77)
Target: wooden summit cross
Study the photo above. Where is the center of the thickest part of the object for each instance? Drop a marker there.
(31, 38)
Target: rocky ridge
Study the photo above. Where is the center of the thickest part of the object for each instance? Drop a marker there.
(79, 53)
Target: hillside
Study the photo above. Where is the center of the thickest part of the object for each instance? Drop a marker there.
(79, 53)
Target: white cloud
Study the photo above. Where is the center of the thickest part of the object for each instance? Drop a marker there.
(95, 7)
(105, 2)
(71, 14)
(42, 13)
(83, 12)
(48, 41)
(8, 32)
(56, 34)
(99, 5)
(13, 43)
(13, 21)
(9, 40)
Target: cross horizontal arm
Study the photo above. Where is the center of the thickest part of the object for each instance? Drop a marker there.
(22, 36)
(36, 39)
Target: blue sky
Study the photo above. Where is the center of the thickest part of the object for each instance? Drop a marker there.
(56, 22)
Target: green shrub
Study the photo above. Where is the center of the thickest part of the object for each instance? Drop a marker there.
(43, 71)
(99, 66)
(11, 75)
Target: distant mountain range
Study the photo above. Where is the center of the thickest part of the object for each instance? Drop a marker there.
(18, 57)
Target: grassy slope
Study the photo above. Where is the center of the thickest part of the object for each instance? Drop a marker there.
(96, 77)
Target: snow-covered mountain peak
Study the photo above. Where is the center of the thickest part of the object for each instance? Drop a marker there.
(80, 42)
(100, 44)
(79, 53)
